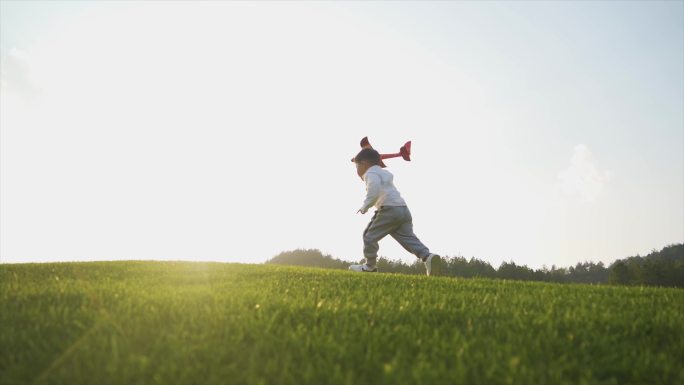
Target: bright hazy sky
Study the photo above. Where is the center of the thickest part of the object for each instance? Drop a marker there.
(543, 132)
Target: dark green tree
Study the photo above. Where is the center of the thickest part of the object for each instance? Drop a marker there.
(620, 274)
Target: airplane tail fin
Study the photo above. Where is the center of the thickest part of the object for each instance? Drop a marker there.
(405, 151)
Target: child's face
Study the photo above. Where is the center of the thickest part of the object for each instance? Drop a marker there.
(362, 167)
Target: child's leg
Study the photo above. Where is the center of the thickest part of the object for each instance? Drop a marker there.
(385, 221)
(406, 238)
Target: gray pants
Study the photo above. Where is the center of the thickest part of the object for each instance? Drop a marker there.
(397, 222)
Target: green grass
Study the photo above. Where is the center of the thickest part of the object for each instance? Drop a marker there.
(210, 323)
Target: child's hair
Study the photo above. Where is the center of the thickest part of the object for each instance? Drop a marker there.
(368, 154)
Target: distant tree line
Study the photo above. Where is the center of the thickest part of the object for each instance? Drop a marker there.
(659, 268)
(308, 257)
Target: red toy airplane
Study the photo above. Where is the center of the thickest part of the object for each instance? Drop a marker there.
(404, 151)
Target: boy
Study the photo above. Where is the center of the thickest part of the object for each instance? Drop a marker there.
(391, 217)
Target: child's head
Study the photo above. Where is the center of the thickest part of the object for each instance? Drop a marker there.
(366, 159)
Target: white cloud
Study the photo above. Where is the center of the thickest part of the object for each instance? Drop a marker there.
(15, 73)
(582, 177)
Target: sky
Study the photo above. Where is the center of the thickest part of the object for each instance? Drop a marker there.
(545, 133)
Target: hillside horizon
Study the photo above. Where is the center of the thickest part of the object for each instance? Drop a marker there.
(663, 267)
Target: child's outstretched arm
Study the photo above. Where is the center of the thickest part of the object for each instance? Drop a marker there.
(373, 183)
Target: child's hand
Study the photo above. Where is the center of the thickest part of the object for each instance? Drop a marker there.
(361, 211)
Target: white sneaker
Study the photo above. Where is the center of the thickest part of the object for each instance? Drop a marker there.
(433, 265)
(363, 268)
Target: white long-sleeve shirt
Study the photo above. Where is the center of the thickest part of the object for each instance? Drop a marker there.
(380, 190)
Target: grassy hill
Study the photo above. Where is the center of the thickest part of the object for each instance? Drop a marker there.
(211, 323)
